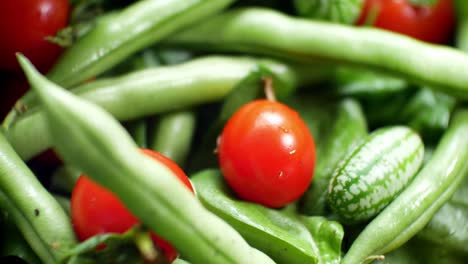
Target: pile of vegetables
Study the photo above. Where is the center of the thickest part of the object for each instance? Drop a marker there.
(222, 131)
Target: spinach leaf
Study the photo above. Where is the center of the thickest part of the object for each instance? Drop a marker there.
(284, 235)
(339, 11)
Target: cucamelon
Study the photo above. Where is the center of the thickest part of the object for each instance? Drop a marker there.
(374, 173)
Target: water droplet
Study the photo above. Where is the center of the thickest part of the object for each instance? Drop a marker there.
(292, 151)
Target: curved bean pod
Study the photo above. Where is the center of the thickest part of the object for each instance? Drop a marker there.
(416, 205)
(116, 36)
(264, 31)
(154, 91)
(173, 135)
(140, 183)
(41, 220)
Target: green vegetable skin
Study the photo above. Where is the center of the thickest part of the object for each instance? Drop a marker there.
(339, 11)
(285, 236)
(269, 32)
(139, 181)
(348, 129)
(416, 205)
(120, 34)
(41, 220)
(154, 91)
(173, 135)
(372, 174)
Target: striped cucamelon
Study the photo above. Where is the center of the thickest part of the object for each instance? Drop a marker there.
(374, 173)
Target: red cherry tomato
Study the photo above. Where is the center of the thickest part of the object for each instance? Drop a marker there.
(267, 154)
(96, 210)
(428, 23)
(24, 25)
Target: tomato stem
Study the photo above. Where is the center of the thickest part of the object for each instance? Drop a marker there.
(269, 91)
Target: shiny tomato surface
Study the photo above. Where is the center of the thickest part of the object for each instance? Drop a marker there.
(267, 154)
(428, 23)
(24, 26)
(96, 210)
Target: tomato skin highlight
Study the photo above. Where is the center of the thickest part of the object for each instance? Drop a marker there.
(96, 210)
(24, 25)
(434, 24)
(267, 154)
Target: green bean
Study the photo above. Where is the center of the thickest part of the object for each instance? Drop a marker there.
(85, 136)
(138, 130)
(156, 90)
(416, 205)
(173, 135)
(118, 35)
(264, 31)
(43, 223)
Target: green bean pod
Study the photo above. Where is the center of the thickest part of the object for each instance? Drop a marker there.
(173, 135)
(415, 206)
(118, 35)
(153, 91)
(264, 31)
(85, 136)
(41, 220)
(138, 129)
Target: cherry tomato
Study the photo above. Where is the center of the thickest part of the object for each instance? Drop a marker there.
(96, 210)
(428, 23)
(24, 25)
(267, 154)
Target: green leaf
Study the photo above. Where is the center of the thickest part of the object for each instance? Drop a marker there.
(283, 235)
(428, 112)
(328, 236)
(448, 227)
(365, 83)
(424, 2)
(339, 11)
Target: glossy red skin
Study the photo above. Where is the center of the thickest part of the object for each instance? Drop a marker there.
(433, 24)
(24, 24)
(267, 153)
(96, 210)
